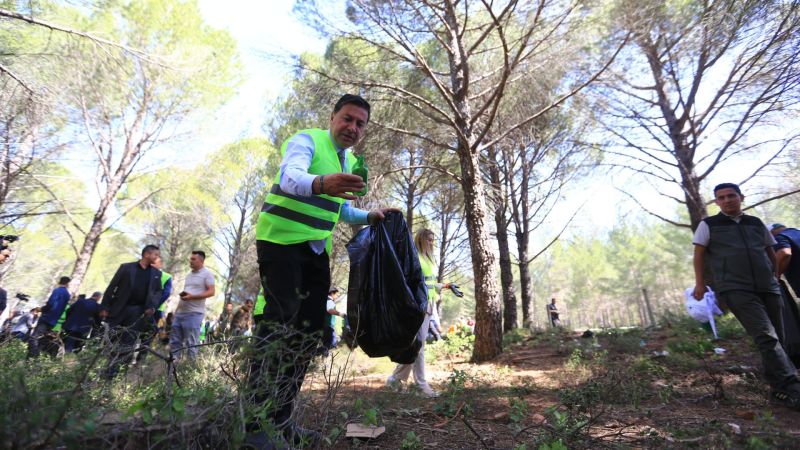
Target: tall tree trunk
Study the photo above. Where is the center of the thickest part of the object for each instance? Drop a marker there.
(235, 255)
(523, 239)
(488, 314)
(90, 243)
(411, 192)
(444, 225)
(506, 272)
(410, 197)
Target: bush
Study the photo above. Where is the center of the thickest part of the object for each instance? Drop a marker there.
(516, 336)
(454, 345)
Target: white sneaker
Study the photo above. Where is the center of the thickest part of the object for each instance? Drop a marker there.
(427, 390)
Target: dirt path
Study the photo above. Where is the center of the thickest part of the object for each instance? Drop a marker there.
(615, 390)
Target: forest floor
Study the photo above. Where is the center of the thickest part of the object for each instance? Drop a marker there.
(632, 388)
(664, 387)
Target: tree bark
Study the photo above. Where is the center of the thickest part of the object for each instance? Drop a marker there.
(488, 314)
(506, 272)
(523, 238)
(92, 239)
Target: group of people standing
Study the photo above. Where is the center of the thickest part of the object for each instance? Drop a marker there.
(132, 306)
(309, 195)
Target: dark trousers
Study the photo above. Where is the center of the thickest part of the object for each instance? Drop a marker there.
(288, 333)
(74, 341)
(761, 315)
(126, 328)
(33, 342)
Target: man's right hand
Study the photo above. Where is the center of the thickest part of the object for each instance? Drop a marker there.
(103, 313)
(341, 185)
(699, 292)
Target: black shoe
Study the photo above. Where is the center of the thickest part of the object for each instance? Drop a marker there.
(263, 441)
(301, 437)
(786, 399)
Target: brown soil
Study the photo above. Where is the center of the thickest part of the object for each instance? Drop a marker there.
(684, 401)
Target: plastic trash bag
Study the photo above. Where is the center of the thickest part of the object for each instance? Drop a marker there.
(705, 309)
(386, 296)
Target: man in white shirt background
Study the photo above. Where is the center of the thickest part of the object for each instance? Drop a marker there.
(188, 319)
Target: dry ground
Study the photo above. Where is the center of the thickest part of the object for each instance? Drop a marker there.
(552, 391)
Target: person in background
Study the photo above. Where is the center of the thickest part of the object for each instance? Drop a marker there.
(329, 338)
(166, 288)
(739, 250)
(82, 316)
(424, 241)
(51, 313)
(191, 310)
(25, 324)
(242, 320)
(3, 300)
(552, 312)
(787, 244)
(128, 305)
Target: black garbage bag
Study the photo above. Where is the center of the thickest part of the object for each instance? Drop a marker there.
(386, 296)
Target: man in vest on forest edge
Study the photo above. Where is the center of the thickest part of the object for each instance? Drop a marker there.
(294, 230)
(739, 249)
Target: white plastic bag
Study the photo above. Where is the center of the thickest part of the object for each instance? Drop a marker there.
(705, 309)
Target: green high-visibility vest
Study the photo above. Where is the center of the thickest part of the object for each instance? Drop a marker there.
(261, 302)
(164, 278)
(61, 319)
(291, 219)
(430, 278)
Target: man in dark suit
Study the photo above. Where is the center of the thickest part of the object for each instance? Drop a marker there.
(129, 302)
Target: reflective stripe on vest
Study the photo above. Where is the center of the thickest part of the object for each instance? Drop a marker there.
(290, 219)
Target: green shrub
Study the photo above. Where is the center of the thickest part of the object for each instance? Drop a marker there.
(516, 336)
(411, 442)
(453, 396)
(454, 345)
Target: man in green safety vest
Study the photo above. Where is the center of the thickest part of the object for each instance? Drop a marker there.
(307, 199)
(166, 285)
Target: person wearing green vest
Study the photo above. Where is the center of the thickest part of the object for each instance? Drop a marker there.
(166, 285)
(307, 199)
(423, 240)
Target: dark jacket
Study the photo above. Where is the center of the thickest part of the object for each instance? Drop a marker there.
(81, 316)
(790, 238)
(116, 296)
(738, 255)
(55, 306)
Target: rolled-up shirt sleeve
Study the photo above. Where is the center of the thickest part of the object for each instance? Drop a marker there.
(295, 178)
